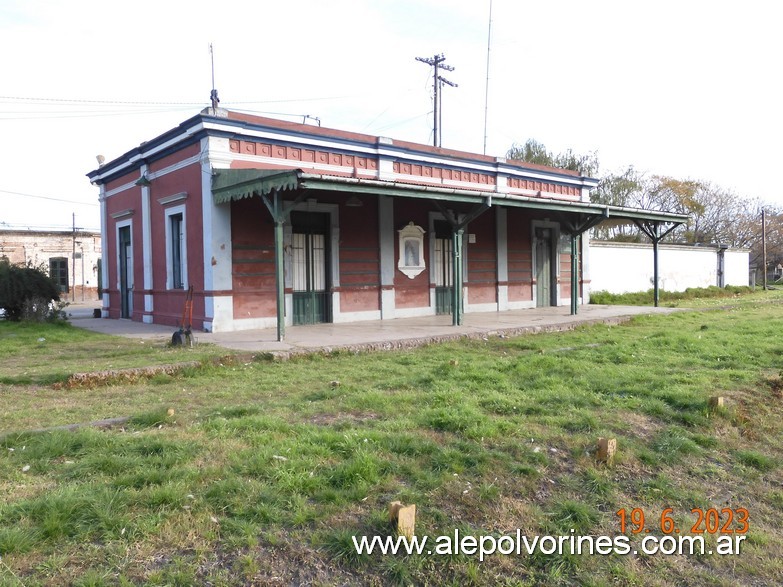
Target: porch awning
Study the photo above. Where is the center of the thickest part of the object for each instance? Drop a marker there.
(236, 184)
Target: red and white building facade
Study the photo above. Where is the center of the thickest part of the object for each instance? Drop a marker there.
(367, 227)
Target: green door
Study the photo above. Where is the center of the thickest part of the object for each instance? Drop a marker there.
(310, 267)
(100, 278)
(126, 272)
(544, 267)
(58, 271)
(442, 268)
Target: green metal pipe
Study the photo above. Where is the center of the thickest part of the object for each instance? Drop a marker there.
(655, 271)
(574, 274)
(279, 271)
(456, 262)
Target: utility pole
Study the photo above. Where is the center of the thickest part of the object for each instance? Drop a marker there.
(437, 61)
(73, 259)
(764, 245)
(81, 252)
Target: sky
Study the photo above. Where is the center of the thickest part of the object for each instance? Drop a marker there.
(685, 88)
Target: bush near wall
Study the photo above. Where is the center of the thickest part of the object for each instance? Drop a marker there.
(643, 298)
(27, 292)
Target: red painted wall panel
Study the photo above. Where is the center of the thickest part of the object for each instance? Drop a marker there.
(482, 275)
(359, 256)
(253, 259)
(169, 303)
(520, 256)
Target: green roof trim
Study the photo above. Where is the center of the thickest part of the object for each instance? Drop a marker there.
(237, 184)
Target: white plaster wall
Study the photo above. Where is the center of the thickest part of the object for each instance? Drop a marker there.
(737, 267)
(628, 267)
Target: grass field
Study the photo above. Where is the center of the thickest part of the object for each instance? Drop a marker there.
(266, 469)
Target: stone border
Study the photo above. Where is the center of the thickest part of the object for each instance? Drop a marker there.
(412, 343)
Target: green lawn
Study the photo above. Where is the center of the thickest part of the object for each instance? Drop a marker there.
(48, 353)
(266, 469)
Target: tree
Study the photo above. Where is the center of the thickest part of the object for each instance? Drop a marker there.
(716, 216)
(26, 290)
(534, 152)
(619, 189)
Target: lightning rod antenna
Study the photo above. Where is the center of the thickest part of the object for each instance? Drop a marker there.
(486, 91)
(213, 95)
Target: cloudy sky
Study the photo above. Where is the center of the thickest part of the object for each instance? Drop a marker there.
(686, 88)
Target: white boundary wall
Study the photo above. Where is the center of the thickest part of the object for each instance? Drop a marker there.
(628, 267)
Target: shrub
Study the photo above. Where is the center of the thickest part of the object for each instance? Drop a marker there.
(28, 293)
(643, 298)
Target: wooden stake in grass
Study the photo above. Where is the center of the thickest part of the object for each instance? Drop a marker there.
(404, 516)
(607, 447)
(716, 402)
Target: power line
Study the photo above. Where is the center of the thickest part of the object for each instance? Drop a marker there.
(84, 101)
(401, 122)
(49, 198)
(45, 227)
(42, 115)
(45, 100)
(26, 99)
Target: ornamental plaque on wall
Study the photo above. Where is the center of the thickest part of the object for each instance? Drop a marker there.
(411, 260)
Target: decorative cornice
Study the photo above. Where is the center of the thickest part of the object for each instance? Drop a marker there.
(123, 213)
(173, 198)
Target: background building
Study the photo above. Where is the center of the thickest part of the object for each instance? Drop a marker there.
(73, 259)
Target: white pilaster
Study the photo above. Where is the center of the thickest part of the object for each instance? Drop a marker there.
(216, 247)
(146, 246)
(104, 254)
(386, 238)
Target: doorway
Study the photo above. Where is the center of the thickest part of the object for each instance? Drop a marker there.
(310, 267)
(126, 271)
(545, 267)
(58, 271)
(442, 268)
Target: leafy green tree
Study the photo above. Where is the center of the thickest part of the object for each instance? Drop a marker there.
(716, 215)
(534, 152)
(531, 152)
(23, 288)
(624, 188)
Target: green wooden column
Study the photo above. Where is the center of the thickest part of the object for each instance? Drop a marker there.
(457, 232)
(576, 225)
(279, 278)
(574, 273)
(279, 215)
(656, 240)
(456, 268)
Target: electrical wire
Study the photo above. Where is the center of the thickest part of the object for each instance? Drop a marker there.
(82, 101)
(401, 122)
(49, 198)
(52, 227)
